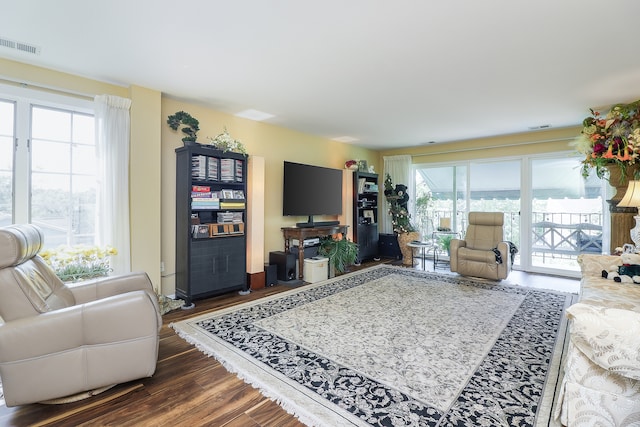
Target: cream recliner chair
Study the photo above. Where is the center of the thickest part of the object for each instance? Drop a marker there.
(57, 340)
(474, 256)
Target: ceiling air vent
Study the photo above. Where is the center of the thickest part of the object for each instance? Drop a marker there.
(23, 47)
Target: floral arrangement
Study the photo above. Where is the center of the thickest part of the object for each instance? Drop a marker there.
(225, 142)
(613, 139)
(398, 200)
(80, 262)
(351, 164)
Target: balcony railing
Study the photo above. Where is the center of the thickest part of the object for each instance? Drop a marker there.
(553, 234)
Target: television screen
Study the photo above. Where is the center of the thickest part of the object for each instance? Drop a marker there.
(311, 190)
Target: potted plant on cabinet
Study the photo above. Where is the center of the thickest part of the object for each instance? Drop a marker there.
(190, 125)
(341, 253)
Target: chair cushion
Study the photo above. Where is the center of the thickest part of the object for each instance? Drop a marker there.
(28, 286)
(486, 218)
(484, 230)
(19, 243)
(476, 255)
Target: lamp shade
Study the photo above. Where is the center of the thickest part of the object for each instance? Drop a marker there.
(632, 197)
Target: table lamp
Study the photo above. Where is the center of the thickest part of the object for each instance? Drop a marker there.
(445, 224)
(631, 199)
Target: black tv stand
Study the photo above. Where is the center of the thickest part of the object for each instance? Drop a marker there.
(300, 234)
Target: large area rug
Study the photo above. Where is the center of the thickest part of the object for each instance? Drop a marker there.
(390, 346)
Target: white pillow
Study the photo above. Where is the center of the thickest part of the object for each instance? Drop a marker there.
(609, 337)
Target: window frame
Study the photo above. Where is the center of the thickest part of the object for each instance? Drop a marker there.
(24, 100)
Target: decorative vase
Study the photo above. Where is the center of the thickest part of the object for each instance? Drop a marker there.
(620, 182)
(407, 252)
(622, 218)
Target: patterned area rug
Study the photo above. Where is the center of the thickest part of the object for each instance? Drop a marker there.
(397, 347)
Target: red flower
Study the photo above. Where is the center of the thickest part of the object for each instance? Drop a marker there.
(599, 148)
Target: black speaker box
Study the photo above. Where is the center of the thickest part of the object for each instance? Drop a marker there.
(270, 274)
(285, 265)
(388, 246)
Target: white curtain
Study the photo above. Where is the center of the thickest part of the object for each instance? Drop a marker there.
(112, 151)
(399, 169)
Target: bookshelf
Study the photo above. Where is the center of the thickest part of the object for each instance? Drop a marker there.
(365, 214)
(211, 244)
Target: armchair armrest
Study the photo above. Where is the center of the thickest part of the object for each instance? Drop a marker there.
(505, 253)
(92, 290)
(114, 319)
(453, 250)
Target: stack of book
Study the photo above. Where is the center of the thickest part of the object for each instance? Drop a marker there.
(234, 217)
(232, 204)
(203, 198)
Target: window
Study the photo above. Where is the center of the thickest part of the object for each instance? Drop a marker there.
(51, 167)
(7, 136)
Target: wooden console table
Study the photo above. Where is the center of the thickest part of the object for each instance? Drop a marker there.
(302, 233)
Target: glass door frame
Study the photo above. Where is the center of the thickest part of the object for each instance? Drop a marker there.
(526, 205)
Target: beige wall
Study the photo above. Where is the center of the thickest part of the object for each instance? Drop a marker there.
(145, 182)
(272, 143)
(153, 160)
(546, 141)
(144, 155)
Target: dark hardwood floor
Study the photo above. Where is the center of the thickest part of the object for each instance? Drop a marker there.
(190, 388)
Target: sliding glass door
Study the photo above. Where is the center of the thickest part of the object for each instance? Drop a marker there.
(551, 213)
(495, 187)
(566, 214)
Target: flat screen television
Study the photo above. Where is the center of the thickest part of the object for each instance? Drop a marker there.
(311, 190)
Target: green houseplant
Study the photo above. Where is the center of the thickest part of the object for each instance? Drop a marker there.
(190, 125)
(341, 252)
(444, 242)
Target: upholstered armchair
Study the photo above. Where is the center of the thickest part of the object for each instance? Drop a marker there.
(58, 341)
(475, 256)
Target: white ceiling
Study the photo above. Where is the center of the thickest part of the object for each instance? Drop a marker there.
(389, 73)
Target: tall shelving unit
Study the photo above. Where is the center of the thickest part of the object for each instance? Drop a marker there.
(211, 245)
(365, 214)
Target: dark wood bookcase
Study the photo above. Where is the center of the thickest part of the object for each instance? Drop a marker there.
(211, 244)
(365, 214)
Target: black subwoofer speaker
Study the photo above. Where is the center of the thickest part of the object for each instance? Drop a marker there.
(270, 274)
(285, 265)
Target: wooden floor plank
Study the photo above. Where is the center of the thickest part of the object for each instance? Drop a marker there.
(188, 388)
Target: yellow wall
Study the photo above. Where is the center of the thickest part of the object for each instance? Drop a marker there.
(145, 182)
(273, 143)
(144, 154)
(153, 160)
(546, 141)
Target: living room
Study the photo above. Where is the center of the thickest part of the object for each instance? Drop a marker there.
(153, 143)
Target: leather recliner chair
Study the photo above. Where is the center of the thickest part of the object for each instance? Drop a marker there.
(474, 256)
(58, 340)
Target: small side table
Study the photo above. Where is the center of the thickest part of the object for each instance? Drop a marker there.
(424, 249)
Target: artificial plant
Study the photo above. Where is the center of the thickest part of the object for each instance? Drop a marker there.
(190, 125)
(341, 252)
